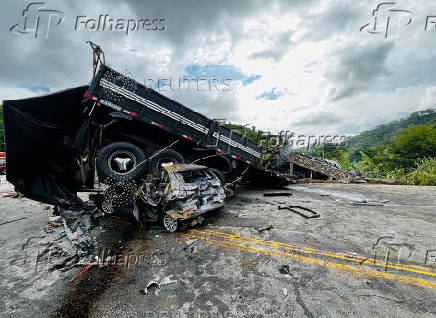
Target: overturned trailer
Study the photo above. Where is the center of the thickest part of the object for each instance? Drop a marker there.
(122, 129)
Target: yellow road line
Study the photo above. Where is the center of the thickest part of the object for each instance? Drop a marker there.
(358, 271)
(307, 250)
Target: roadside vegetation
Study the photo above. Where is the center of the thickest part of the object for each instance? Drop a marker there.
(403, 151)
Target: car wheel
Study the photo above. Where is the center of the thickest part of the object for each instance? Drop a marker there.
(170, 224)
(120, 160)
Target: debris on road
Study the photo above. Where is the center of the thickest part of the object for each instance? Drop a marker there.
(11, 194)
(191, 247)
(284, 269)
(314, 165)
(168, 280)
(277, 194)
(262, 229)
(77, 224)
(364, 202)
(296, 208)
(152, 286)
(88, 266)
(56, 219)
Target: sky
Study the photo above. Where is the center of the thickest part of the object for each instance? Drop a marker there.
(307, 66)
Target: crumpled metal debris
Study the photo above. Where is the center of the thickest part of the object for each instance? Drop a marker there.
(298, 209)
(262, 229)
(191, 247)
(168, 280)
(277, 194)
(154, 285)
(77, 224)
(284, 269)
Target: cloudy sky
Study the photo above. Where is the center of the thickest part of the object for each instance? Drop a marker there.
(306, 66)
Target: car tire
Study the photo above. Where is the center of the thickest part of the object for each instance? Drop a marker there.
(159, 157)
(120, 160)
(170, 224)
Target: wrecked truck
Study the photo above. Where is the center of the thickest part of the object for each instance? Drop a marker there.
(120, 129)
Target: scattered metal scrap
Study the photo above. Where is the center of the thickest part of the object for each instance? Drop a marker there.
(168, 280)
(329, 168)
(191, 247)
(154, 285)
(277, 194)
(88, 266)
(262, 229)
(284, 269)
(295, 208)
(77, 224)
(366, 203)
(11, 194)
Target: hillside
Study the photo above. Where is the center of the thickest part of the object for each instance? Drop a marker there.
(386, 132)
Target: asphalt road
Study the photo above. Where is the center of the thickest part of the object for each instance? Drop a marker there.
(371, 252)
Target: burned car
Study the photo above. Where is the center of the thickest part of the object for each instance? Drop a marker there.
(179, 193)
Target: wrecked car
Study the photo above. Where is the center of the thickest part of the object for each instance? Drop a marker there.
(180, 193)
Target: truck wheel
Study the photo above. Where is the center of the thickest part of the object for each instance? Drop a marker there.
(165, 156)
(219, 175)
(120, 160)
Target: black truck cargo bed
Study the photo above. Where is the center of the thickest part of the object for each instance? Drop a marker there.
(125, 95)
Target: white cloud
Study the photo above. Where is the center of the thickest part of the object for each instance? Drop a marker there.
(331, 77)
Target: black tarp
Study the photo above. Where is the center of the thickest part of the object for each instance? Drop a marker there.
(40, 161)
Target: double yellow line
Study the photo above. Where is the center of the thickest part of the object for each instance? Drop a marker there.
(245, 243)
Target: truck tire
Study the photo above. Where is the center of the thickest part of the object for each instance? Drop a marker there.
(219, 175)
(165, 156)
(120, 160)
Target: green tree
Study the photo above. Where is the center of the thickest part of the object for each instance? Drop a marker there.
(415, 142)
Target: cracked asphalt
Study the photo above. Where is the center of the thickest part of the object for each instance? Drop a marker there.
(371, 253)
